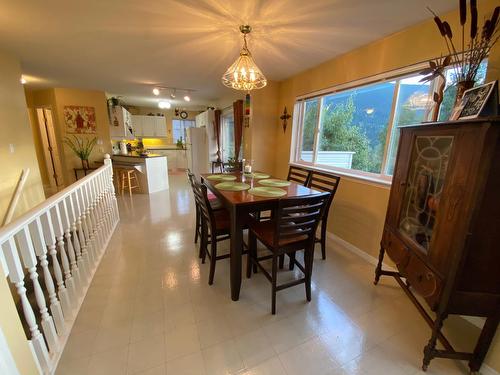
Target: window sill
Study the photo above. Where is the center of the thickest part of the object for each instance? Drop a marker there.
(369, 180)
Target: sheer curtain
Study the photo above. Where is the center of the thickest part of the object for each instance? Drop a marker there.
(238, 126)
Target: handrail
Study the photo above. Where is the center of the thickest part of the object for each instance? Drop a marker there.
(15, 197)
(12, 227)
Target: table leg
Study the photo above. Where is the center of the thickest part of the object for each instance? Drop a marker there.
(237, 223)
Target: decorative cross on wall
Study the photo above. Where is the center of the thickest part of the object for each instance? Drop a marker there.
(284, 117)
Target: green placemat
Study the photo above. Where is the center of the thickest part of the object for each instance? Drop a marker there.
(232, 186)
(264, 191)
(260, 175)
(274, 182)
(221, 177)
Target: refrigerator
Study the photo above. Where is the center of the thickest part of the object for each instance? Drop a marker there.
(201, 150)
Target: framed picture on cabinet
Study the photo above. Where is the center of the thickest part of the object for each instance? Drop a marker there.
(479, 101)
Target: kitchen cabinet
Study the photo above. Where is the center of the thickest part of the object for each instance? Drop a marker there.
(442, 227)
(121, 126)
(149, 126)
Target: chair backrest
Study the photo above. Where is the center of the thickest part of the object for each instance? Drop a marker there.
(203, 204)
(327, 182)
(300, 216)
(298, 174)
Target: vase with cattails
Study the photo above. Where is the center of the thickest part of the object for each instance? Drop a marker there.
(466, 51)
(82, 148)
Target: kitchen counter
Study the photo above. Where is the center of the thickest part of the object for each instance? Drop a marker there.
(166, 148)
(133, 155)
(152, 170)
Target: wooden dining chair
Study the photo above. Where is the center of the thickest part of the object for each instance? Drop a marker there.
(215, 227)
(292, 229)
(298, 174)
(326, 182)
(215, 204)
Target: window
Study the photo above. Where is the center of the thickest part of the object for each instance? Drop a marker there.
(227, 135)
(356, 130)
(179, 129)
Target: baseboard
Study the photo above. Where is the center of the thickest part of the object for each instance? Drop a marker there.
(477, 321)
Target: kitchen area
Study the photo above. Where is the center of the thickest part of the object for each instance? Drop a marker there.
(158, 143)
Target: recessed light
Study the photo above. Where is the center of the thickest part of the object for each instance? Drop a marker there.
(187, 98)
(163, 104)
(156, 91)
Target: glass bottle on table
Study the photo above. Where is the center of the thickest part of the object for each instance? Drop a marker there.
(247, 166)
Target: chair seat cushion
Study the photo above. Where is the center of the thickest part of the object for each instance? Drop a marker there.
(264, 230)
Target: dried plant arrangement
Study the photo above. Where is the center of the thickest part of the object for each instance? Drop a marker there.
(81, 147)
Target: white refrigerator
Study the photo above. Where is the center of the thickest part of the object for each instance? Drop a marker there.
(201, 150)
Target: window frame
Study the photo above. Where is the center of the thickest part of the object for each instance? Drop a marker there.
(183, 127)
(297, 126)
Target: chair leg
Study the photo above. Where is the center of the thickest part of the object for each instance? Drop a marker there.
(252, 251)
(291, 265)
(323, 239)
(203, 243)
(274, 276)
(281, 261)
(197, 226)
(213, 256)
(308, 261)
(129, 184)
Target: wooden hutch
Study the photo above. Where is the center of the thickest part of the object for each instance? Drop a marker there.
(442, 228)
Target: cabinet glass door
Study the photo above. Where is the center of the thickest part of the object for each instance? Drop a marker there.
(424, 185)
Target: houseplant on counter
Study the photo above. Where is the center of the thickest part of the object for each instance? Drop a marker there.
(467, 51)
(82, 148)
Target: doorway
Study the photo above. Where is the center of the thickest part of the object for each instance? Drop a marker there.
(227, 139)
(50, 150)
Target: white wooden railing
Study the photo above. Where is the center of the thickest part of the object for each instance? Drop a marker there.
(53, 251)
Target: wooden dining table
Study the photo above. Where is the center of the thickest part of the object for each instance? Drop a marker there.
(240, 204)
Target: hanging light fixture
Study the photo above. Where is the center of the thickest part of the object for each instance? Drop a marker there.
(244, 74)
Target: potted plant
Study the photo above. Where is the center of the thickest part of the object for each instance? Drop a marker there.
(82, 148)
(180, 143)
(465, 53)
(233, 165)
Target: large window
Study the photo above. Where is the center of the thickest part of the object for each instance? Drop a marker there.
(356, 130)
(227, 133)
(179, 129)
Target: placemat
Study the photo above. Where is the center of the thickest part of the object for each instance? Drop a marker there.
(221, 177)
(260, 175)
(274, 182)
(264, 191)
(232, 186)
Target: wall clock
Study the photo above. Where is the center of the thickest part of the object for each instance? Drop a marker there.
(184, 115)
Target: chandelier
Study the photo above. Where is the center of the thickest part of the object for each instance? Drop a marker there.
(244, 74)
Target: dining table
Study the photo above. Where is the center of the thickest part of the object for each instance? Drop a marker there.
(240, 205)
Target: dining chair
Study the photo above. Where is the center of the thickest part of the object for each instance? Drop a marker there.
(298, 174)
(215, 227)
(326, 182)
(214, 203)
(292, 229)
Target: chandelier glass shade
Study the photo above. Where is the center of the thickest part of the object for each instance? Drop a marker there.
(244, 74)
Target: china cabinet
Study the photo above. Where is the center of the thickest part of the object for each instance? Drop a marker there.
(442, 228)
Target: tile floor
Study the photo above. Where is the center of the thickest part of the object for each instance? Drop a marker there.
(150, 310)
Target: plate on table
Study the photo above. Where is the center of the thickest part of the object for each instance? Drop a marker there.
(232, 186)
(221, 177)
(266, 191)
(274, 182)
(260, 175)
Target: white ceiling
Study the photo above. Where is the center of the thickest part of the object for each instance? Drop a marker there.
(125, 46)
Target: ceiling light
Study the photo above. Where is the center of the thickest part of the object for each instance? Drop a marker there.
(156, 91)
(23, 80)
(244, 74)
(187, 98)
(163, 104)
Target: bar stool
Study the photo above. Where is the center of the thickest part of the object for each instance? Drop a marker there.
(127, 175)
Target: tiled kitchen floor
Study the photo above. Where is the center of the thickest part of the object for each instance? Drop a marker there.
(151, 311)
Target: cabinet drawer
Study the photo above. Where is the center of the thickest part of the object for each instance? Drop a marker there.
(396, 249)
(424, 281)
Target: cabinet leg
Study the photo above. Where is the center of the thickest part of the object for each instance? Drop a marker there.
(378, 270)
(431, 345)
(483, 343)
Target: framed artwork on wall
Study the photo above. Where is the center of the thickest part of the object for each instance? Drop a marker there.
(79, 120)
(479, 101)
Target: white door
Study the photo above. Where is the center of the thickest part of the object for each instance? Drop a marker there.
(137, 125)
(148, 126)
(160, 126)
(50, 149)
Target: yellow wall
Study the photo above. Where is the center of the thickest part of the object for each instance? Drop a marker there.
(359, 209)
(169, 116)
(57, 99)
(15, 129)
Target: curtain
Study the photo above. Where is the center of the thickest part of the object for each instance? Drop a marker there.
(217, 129)
(238, 126)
